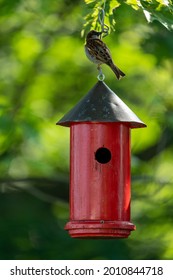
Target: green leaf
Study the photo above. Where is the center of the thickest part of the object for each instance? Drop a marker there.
(92, 20)
(158, 10)
(89, 1)
(133, 3)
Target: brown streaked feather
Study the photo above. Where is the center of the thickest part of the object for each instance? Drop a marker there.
(97, 51)
(97, 48)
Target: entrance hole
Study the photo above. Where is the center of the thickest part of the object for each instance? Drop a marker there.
(103, 155)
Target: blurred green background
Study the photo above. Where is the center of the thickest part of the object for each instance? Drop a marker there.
(43, 74)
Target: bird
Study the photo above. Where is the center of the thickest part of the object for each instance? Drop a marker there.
(97, 51)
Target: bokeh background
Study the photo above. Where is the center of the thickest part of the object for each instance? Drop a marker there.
(43, 74)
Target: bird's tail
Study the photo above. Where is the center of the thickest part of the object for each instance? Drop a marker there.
(119, 74)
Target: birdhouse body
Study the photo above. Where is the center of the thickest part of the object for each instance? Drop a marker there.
(100, 190)
(101, 194)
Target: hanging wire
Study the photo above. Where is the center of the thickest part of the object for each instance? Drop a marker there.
(105, 31)
(101, 18)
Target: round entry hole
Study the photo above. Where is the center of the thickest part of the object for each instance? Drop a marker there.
(103, 155)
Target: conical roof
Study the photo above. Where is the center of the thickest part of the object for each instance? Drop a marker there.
(101, 104)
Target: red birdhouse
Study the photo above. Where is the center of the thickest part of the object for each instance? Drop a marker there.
(100, 190)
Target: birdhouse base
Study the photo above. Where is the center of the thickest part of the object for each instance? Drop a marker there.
(99, 229)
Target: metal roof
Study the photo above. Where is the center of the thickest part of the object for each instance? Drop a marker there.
(101, 104)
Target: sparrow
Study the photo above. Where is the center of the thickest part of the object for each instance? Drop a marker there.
(97, 51)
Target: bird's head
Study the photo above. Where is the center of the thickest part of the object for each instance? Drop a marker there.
(93, 35)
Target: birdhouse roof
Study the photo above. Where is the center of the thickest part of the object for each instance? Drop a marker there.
(101, 104)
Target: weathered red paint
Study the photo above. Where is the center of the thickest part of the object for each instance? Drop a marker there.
(99, 192)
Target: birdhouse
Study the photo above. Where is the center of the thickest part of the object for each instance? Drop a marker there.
(100, 189)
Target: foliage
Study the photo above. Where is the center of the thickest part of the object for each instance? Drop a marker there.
(160, 10)
(44, 73)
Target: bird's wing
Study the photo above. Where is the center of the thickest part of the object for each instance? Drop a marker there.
(99, 49)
